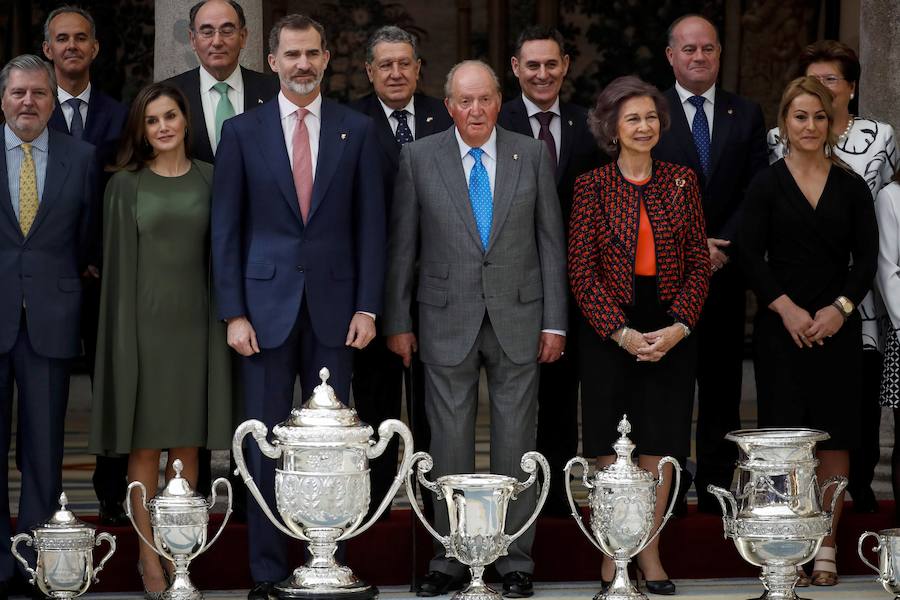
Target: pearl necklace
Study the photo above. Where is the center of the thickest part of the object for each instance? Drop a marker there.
(843, 137)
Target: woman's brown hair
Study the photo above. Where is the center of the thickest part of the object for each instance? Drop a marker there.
(134, 149)
(603, 120)
(813, 87)
(830, 51)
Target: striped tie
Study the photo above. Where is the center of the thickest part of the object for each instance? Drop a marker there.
(28, 195)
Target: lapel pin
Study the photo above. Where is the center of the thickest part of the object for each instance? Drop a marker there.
(343, 136)
(259, 101)
(679, 181)
(570, 122)
(730, 111)
(515, 157)
(429, 119)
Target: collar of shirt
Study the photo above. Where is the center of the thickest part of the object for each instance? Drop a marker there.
(389, 112)
(235, 80)
(532, 109)
(489, 147)
(41, 142)
(288, 109)
(62, 95)
(684, 94)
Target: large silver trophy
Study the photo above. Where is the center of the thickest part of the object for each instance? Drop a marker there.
(179, 518)
(776, 518)
(888, 551)
(623, 503)
(322, 485)
(477, 504)
(65, 559)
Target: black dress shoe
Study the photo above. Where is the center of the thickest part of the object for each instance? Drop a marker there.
(663, 587)
(112, 514)
(437, 583)
(264, 590)
(517, 584)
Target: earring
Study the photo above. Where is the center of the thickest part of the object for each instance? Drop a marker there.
(852, 95)
(787, 146)
(615, 141)
(827, 150)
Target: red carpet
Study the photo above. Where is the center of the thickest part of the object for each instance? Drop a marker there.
(692, 547)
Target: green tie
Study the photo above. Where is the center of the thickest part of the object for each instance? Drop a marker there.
(28, 196)
(224, 109)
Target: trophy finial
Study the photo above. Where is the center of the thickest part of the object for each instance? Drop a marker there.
(624, 426)
(324, 374)
(178, 466)
(323, 395)
(63, 500)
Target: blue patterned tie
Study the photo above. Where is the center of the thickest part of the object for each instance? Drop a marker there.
(77, 126)
(404, 134)
(480, 197)
(700, 129)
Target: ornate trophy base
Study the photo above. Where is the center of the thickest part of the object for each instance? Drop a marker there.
(477, 590)
(337, 583)
(620, 588)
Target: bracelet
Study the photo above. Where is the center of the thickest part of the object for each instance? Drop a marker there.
(622, 336)
(685, 329)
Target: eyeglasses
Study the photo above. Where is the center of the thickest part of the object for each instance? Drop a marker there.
(226, 31)
(828, 80)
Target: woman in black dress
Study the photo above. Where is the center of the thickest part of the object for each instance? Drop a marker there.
(809, 243)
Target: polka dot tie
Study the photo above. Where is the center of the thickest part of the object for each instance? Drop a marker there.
(700, 129)
(480, 197)
(404, 134)
(28, 196)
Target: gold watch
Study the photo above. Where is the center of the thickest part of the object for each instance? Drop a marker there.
(844, 305)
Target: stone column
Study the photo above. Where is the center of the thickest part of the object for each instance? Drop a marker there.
(172, 53)
(879, 47)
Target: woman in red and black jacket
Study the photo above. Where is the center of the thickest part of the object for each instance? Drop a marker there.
(639, 269)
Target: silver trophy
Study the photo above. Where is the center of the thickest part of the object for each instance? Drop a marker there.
(65, 554)
(888, 551)
(623, 502)
(776, 518)
(322, 485)
(477, 505)
(179, 518)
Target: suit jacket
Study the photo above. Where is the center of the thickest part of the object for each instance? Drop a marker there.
(258, 88)
(520, 281)
(431, 117)
(738, 151)
(578, 150)
(265, 260)
(106, 119)
(43, 269)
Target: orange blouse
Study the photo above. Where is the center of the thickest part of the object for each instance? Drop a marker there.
(645, 256)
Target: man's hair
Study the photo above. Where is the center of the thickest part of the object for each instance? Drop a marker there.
(671, 30)
(64, 9)
(242, 20)
(390, 34)
(27, 62)
(297, 23)
(540, 32)
(448, 85)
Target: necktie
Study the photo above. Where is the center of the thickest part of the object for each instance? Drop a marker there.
(224, 108)
(76, 128)
(700, 130)
(302, 164)
(544, 134)
(403, 135)
(28, 195)
(480, 197)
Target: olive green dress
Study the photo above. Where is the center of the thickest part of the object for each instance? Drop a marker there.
(162, 375)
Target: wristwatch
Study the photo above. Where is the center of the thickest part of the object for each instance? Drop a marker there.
(844, 305)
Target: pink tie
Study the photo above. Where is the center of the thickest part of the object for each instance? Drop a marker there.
(302, 167)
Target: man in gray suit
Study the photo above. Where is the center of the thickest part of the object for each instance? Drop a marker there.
(480, 202)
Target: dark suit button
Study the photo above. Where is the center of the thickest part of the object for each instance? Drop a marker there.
(300, 268)
(487, 263)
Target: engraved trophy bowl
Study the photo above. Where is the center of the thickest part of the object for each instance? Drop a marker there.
(477, 505)
(64, 567)
(888, 551)
(622, 498)
(179, 518)
(322, 492)
(775, 517)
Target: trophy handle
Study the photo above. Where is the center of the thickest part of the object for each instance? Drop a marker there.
(840, 483)
(23, 537)
(674, 494)
(587, 483)
(386, 431)
(130, 513)
(111, 541)
(421, 463)
(212, 502)
(530, 462)
(876, 549)
(259, 430)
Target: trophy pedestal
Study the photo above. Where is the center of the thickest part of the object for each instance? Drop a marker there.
(360, 590)
(477, 589)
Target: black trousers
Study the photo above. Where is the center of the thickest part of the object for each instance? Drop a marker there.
(864, 458)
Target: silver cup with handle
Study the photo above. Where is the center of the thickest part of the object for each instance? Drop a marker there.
(887, 550)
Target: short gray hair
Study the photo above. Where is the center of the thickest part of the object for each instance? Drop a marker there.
(64, 9)
(27, 62)
(448, 85)
(390, 34)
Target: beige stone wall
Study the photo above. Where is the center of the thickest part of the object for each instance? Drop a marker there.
(879, 45)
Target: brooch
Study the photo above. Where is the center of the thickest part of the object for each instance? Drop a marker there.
(679, 181)
(515, 157)
(343, 136)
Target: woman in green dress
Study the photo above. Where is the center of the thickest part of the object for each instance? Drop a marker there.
(162, 377)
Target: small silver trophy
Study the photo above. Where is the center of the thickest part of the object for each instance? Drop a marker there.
(322, 486)
(477, 505)
(179, 518)
(65, 559)
(888, 552)
(623, 503)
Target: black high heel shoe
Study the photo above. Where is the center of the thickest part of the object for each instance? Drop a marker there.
(661, 587)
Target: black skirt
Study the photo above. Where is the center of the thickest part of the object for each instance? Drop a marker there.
(657, 397)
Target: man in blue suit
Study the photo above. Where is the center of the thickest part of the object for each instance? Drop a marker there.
(86, 113)
(46, 197)
(298, 249)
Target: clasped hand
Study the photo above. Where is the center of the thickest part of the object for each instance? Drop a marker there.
(653, 345)
(804, 329)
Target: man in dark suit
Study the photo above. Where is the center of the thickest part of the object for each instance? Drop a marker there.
(88, 114)
(723, 138)
(401, 115)
(475, 212)
(540, 64)
(219, 88)
(46, 197)
(298, 246)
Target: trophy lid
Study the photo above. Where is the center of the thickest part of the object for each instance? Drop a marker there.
(63, 525)
(178, 491)
(624, 471)
(323, 418)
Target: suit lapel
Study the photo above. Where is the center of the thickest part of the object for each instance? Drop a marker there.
(448, 163)
(253, 96)
(271, 145)
(54, 178)
(723, 118)
(567, 127)
(681, 132)
(426, 123)
(332, 139)
(382, 127)
(5, 200)
(507, 175)
(96, 119)
(57, 119)
(202, 144)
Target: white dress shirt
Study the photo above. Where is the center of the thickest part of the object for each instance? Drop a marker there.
(690, 111)
(67, 111)
(313, 122)
(392, 120)
(209, 99)
(555, 124)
